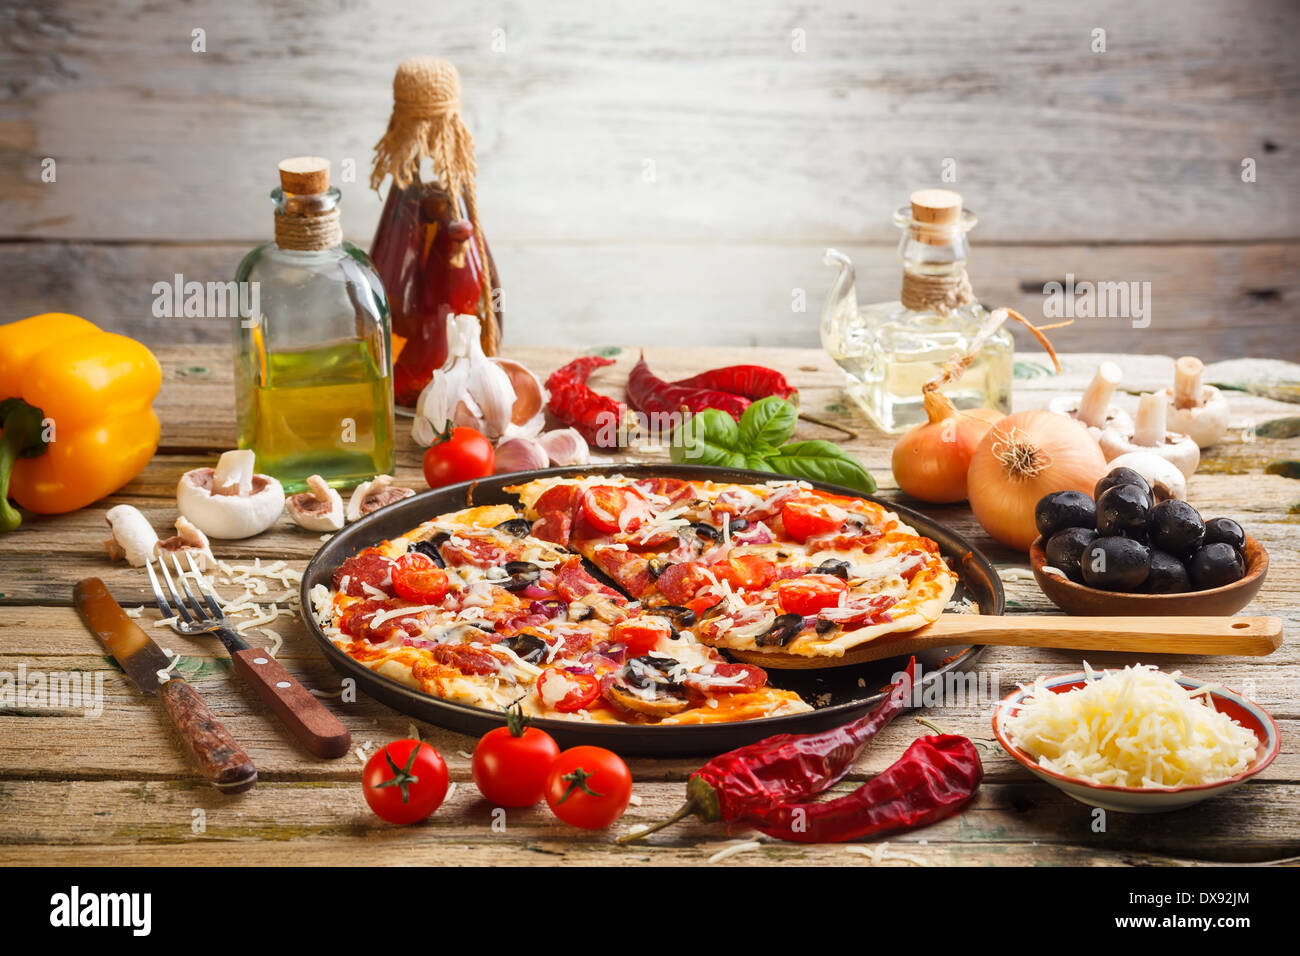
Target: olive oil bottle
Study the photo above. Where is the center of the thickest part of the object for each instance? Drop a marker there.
(313, 366)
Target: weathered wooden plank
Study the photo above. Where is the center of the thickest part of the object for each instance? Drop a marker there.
(685, 120)
(1214, 300)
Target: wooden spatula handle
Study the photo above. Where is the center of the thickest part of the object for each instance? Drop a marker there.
(320, 731)
(1237, 636)
(217, 753)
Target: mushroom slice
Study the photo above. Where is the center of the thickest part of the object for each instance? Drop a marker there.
(189, 538)
(1093, 408)
(1152, 435)
(648, 685)
(230, 501)
(133, 536)
(320, 508)
(373, 495)
(1200, 411)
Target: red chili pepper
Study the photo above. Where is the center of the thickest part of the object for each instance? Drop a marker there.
(750, 381)
(648, 393)
(934, 778)
(597, 417)
(783, 768)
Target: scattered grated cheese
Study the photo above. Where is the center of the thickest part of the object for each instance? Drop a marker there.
(733, 850)
(1012, 575)
(135, 611)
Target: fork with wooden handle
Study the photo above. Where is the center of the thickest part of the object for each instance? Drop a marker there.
(319, 731)
(1237, 636)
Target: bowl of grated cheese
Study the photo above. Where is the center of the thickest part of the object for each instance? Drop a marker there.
(1136, 740)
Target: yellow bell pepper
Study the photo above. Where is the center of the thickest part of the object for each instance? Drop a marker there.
(76, 421)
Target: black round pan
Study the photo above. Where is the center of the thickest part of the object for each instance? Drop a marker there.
(838, 695)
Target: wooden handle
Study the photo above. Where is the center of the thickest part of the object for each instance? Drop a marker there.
(220, 758)
(1234, 636)
(320, 731)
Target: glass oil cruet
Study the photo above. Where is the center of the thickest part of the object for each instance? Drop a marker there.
(313, 366)
(889, 350)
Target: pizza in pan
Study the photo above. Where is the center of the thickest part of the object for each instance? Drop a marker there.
(494, 606)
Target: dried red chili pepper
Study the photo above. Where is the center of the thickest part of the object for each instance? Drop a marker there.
(934, 778)
(597, 417)
(783, 768)
(647, 392)
(749, 381)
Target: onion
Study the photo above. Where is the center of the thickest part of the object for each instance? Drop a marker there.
(1022, 458)
(930, 462)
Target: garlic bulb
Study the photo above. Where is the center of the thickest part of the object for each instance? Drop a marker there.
(564, 446)
(519, 454)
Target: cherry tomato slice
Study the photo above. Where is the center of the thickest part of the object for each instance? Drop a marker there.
(808, 515)
(641, 635)
(810, 593)
(748, 571)
(417, 579)
(602, 505)
(565, 691)
(702, 604)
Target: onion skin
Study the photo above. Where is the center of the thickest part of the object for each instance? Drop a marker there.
(931, 461)
(1022, 458)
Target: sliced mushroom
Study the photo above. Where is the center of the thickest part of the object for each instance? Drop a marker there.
(1198, 410)
(1093, 408)
(318, 509)
(646, 685)
(189, 538)
(133, 536)
(372, 495)
(1152, 435)
(231, 500)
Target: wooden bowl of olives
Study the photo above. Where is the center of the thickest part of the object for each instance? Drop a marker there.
(1121, 553)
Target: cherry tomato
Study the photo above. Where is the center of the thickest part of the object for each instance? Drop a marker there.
(511, 763)
(567, 692)
(405, 781)
(810, 593)
(417, 579)
(809, 515)
(748, 571)
(459, 454)
(641, 635)
(702, 604)
(588, 787)
(603, 506)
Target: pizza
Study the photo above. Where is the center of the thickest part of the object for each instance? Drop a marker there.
(611, 599)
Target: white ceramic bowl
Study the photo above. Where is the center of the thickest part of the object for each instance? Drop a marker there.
(1147, 799)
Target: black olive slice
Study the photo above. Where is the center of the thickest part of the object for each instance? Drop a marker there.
(648, 671)
(705, 530)
(783, 630)
(519, 527)
(681, 617)
(431, 548)
(833, 566)
(520, 574)
(823, 626)
(656, 567)
(737, 524)
(527, 647)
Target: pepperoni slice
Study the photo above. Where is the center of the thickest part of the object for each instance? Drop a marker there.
(727, 679)
(556, 510)
(573, 583)
(860, 613)
(368, 567)
(475, 552)
(556, 527)
(679, 583)
(356, 622)
(631, 571)
(466, 659)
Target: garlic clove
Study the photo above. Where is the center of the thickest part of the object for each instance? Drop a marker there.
(520, 454)
(565, 446)
(530, 396)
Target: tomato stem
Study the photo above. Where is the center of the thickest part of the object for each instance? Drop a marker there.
(577, 780)
(402, 776)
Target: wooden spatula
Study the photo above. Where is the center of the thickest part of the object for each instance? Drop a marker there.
(1235, 636)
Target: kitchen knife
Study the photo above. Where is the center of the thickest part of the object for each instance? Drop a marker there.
(218, 755)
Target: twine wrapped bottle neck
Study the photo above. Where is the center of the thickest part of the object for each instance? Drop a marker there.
(308, 233)
(936, 293)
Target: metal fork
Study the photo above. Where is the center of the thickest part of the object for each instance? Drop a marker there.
(318, 729)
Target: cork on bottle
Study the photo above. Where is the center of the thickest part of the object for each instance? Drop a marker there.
(304, 175)
(935, 212)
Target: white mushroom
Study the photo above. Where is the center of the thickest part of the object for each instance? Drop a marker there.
(1162, 475)
(373, 495)
(191, 539)
(1199, 410)
(1093, 408)
(133, 536)
(318, 509)
(1151, 435)
(230, 501)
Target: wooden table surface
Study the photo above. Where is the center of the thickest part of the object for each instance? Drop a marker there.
(117, 790)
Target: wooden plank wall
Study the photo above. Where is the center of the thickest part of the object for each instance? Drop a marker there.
(673, 171)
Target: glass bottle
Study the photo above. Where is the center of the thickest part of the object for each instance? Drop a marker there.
(889, 350)
(313, 383)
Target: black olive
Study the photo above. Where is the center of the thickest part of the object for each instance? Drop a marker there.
(823, 626)
(520, 575)
(527, 647)
(655, 567)
(580, 612)
(1124, 510)
(713, 610)
(681, 617)
(1215, 565)
(704, 530)
(1115, 563)
(1121, 476)
(519, 527)
(1168, 575)
(647, 670)
(783, 630)
(737, 524)
(1176, 528)
(833, 566)
(431, 548)
(1225, 531)
(1065, 550)
(1064, 509)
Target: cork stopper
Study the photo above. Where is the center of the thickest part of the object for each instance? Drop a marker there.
(304, 175)
(934, 214)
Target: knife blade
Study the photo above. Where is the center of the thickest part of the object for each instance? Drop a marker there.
(220, 758)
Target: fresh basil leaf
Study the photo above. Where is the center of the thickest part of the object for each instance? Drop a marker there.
(822, 461)
(768, 422)
(758, 462)
(709, 437)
